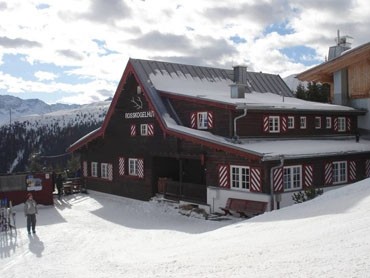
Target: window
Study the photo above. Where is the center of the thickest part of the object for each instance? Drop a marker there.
(239, 177)
(202, 119)
(341, 124)
(339, 172)
(274, 124)
(104, 170)
(303, 122)
(94, 169)
(292, 177)
(317, 122)
(328, 122)
(132, 166)
(144, 129)
(291, 122)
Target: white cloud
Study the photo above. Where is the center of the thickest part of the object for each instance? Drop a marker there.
(44, 75)
(64, 34)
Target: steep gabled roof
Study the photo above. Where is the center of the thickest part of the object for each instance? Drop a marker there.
(210, 84)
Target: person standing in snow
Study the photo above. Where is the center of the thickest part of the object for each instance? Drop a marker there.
(30, 211)
(59, 185)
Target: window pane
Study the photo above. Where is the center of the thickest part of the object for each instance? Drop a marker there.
(240, 177)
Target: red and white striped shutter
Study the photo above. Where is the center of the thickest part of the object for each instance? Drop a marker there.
(256, 185)
(278, 179)
(121, 166)
(336, 124)
(133, 130)
(367, 168)
(328, 179)
(223, 176)
(348, 124)
(150, 129)
(210, 119)
(352, 171)
(140, 168)
(284, 123)
(110, 171)
(193, 120)
(265, 123)
(308, 176)
(84, 169)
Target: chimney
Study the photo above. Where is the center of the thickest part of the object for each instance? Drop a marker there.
(343, 44)
(238, 88)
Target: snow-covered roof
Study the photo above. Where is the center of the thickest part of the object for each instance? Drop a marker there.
(264, 91)
(273, 150)
(214, 85)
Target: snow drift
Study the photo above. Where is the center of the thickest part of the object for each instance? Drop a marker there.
(100, 235)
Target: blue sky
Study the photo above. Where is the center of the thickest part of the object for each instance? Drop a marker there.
(75, 52)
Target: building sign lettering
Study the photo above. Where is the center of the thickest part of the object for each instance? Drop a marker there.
(137, 115)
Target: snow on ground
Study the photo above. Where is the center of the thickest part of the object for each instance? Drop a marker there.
(100, 235)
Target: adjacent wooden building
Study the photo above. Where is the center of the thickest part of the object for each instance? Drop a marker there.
(347, 71)
(204, 135)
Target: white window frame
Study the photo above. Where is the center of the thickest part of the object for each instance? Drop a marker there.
(292, 177)
(240, 177)
(202, 120)
(144, 129)
(132, 167)
(94, 169)
(328, 122)
(341, 124)
(104, 170)
(317, 122)
(291, 122)
(274, 124)
(340, 171)
(303, 122)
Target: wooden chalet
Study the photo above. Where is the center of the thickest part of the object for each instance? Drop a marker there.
(204, 135)
(347, 71)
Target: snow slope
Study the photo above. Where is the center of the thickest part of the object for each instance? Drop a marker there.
(11, 108)
(99, 235)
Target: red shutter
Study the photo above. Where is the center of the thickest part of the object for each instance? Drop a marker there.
(352, 171)
(256, 185)
(265, 124)
(150, 129)
(328, 179)
(133, 130)
(210, 120)
(110, 172)
(223, 176)
(278, 179)
(348, 124)
(193, 120)
(283, 123)
(121, 166)
(140, 168)
(367, 168)
(336, 124)
(307, 176)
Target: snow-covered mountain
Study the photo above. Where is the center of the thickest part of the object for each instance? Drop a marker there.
(12, 108)
(293, 82)
(43, 129)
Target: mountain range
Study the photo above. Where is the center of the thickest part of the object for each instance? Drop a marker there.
(35, 133)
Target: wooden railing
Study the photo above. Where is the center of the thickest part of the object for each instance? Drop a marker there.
(184, 191)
